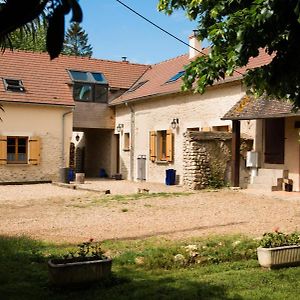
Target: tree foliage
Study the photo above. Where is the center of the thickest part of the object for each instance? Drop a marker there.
(16, 14)
(76, 42)
(237, 30)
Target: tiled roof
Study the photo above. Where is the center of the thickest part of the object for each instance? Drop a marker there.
(47, 81)
(250, 108)
(158, 74)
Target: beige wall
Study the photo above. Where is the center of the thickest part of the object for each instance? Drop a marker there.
(45, 122)
(191, 110)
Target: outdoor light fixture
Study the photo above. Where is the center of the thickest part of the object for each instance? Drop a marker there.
(120, 127)
(175, 123)
(77, 138)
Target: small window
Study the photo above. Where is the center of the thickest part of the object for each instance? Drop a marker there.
(126, 141)
(17, 150)
(13, 85)
(161, 146)
(176, 77)
(193, 129)
(137, 86)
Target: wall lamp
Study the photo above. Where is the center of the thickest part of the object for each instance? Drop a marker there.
(77, 138)
(120, 127)
(174, 123)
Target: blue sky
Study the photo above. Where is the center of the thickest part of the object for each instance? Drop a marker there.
(114, 31)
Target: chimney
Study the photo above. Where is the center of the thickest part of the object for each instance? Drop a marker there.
(124, 59)
(195, 45)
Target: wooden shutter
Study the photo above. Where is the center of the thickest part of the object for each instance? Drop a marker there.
(152, 146)
(34, 151)
(3, 150)
(169, 146)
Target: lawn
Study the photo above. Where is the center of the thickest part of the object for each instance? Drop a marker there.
(210, 268)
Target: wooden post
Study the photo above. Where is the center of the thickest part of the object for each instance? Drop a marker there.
(236, 143)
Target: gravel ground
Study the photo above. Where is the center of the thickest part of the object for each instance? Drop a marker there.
(63, 215)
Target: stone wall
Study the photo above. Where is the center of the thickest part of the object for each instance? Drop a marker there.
(207, 159)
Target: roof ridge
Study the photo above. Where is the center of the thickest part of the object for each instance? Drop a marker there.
(76, 57)
(170, 59)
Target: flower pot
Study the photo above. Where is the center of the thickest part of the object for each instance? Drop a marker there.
(63, 272)
(279, 257)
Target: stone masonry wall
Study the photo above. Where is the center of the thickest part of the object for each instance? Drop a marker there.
(207, 159)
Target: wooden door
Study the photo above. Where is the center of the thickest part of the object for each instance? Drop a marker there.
(274, 141)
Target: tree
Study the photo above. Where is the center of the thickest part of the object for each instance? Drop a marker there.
(16, 14)
(76, 42)
(27, 41)
(237, 30)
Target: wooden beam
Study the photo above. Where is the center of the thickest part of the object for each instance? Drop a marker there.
(236, 143)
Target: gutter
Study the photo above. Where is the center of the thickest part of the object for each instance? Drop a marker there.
(132, 137)
(63, 161)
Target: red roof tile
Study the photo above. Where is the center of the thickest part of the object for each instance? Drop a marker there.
(47, 81)
(158, 75)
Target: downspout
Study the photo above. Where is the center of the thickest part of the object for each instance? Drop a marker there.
(132, 137)
(63, 161)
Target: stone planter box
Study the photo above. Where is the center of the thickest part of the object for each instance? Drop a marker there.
(69, 272)
(279, 257)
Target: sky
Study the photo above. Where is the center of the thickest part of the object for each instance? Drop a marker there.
(114, 31)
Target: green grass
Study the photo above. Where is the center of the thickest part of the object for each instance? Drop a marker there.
(225, 268)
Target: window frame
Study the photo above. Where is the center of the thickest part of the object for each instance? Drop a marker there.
(161, 146)
(18, 88)
(16, 161)
(126, 141)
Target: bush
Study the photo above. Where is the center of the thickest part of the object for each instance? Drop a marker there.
(279, 239)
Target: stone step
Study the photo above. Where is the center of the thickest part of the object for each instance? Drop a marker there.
(265, 180)
(274, 173)
(259, 186)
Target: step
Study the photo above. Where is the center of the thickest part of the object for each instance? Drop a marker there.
(274, 173)
(259, 186)
(265, 180)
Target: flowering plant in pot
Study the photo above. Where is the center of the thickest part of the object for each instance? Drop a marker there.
(278, 249)
(87, 264)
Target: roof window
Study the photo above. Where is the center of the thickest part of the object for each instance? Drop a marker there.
(137, 86)
(13, 85)
(176, 77)
(90, 77)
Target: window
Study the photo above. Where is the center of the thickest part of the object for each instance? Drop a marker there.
(89, 86)
(19, 150)
(126, 146)
(224, 128)
(175, 77)
(13, 85)
(161, 145)
(137, 86)
(193, 129)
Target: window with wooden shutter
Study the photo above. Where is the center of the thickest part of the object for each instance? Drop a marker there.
(34, 151)
(152, 146)
(3, 150)
(169, 146)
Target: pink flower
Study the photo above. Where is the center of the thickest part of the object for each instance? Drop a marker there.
(276, 229)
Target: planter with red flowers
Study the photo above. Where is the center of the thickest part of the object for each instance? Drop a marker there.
(279, 250)
(88, 264)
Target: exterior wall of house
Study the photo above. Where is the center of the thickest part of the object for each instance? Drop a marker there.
(193, 111)
(45, 123)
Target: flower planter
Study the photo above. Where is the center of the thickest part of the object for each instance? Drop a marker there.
(279, 257)
(70, 272)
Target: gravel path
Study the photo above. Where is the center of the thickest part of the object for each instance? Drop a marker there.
(62, 215)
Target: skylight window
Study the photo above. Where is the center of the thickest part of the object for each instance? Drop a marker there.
(91, 77)
(176, 77)
(13, 85)
(137, 86)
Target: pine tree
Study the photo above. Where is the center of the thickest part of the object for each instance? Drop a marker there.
(76, 42)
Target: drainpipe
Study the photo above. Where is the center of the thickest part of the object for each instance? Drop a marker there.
(63, 137)
(132, 137)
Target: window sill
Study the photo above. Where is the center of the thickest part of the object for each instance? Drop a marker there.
(162, 162)
(16, 165)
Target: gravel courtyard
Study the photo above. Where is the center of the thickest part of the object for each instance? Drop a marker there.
(59, 214)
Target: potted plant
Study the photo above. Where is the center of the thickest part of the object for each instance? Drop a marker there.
(87, 264)
(279, 250)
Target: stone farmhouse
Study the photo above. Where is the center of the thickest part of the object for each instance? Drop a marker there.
(133, 121)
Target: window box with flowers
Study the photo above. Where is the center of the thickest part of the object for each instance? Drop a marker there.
(87, 265)
(279, 250)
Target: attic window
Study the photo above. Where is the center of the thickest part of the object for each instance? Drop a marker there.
(137, 86)
(176, 77)
(89, 86)
(13, 85)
